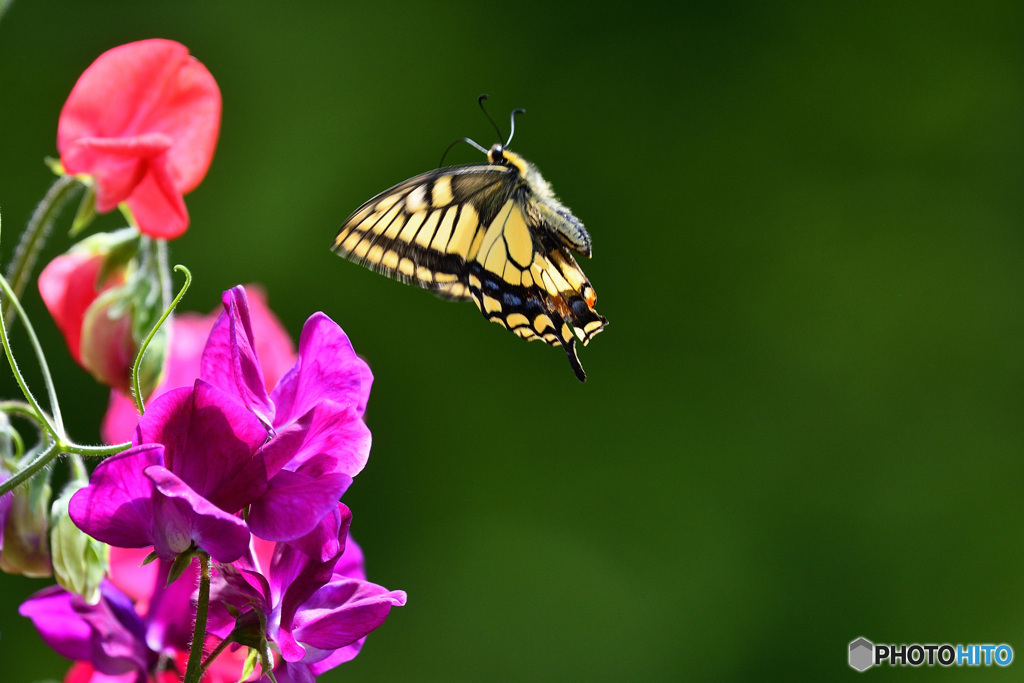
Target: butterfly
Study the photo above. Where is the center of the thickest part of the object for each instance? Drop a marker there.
(492, 232)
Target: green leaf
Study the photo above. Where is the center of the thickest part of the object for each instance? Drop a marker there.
(180, 564)
(86, 212)
(54, 165)
(250, 664)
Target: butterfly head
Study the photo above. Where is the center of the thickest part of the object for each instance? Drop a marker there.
(496, 155)
(499, 155)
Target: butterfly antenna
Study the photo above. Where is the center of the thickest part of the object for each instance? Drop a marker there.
(512, 124)
(480, 101)
(472, 142)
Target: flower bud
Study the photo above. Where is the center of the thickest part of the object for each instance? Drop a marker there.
(79, 561)
(105, 307)
(25, 548)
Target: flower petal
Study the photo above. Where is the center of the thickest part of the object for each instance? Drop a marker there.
(182, 516)
(117, 507)
(327, 428)
(197, 424)
(327, 369)
(329, 539)
(53, 616)
(229, 359)
(157, 204)
(342, 612)
(108, 634)
(291, 672)
(294, 504)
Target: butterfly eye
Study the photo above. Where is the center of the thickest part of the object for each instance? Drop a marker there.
(496, 155)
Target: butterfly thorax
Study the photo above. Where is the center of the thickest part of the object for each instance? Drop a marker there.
(544, 205)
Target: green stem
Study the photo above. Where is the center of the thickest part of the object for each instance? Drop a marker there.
(136, 387)
(19, 443)
(32, 240)
(195, 655)
(19, 408)
(96, 451)
(25, 410)
(21, 476)
(55, 428)
(213, 655)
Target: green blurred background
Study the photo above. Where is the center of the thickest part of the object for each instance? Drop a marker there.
(805, 422)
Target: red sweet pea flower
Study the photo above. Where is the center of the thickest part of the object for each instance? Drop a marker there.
(142, 121)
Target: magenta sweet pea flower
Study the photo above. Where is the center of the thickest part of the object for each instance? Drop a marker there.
(138, 631)
(317, 611)
(142, 122)
(318, 440)
(112, 635)
(196, 462)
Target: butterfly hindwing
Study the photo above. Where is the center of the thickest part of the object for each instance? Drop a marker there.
(490, 232)
(524, 280)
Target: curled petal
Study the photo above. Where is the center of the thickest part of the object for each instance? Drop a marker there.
(157, 203)
(342, 612)
(329, 539)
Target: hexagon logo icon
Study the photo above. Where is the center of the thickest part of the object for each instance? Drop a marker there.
(862, 654)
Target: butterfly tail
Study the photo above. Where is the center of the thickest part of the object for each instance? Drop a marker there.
(574, 360)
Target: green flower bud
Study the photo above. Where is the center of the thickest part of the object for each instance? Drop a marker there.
(79, 561)
(25, 549)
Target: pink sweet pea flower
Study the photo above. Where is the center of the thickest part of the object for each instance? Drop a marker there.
(142, 122)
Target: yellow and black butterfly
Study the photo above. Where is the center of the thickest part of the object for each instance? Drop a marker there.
(492, 232)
